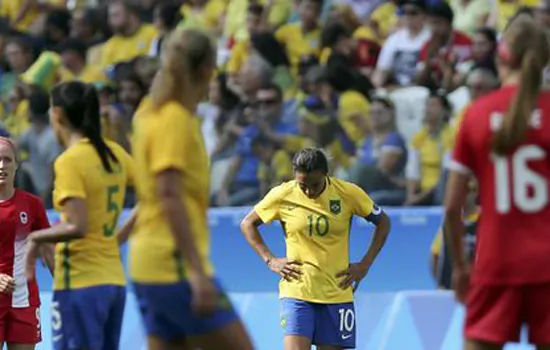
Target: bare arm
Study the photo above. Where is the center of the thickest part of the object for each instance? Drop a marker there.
(249, 228)
(457, 188)
(379, 237)
(389, 160)
(75, 227)
(47, 254)
(169, 191)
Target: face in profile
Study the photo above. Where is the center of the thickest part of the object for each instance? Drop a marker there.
(311, 183)
(8, 164)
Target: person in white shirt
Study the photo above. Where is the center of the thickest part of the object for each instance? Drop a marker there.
(399, 56)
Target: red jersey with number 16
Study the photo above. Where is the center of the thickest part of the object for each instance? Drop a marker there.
(513, 245)
(19, 216)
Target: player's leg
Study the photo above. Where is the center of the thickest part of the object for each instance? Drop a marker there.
(113, 324)
(222, 329)
(335, 326)
(537, 314)
(232, 336)
(297, 342)
(493, 316)
(478, 345)
(15, 346)
(23, 328)
(156, 343)
(298, 321)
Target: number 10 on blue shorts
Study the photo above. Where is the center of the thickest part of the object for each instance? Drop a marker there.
(324, 324)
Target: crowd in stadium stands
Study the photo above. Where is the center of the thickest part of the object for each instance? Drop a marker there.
(380, 85)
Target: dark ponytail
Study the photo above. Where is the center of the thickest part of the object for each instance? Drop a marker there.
(80, 103)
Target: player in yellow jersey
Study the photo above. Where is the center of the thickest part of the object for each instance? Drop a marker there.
(318, 281)
(91, 177)
(182, 304)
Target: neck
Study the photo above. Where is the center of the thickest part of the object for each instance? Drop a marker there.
(72, 138)
(415, 30)
(131, 29)
(308, 27)
(433, 128)
(512, 78)
(6, 192)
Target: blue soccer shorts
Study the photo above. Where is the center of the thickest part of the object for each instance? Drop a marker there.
(166, 311)
(324, 324)
(88, 318)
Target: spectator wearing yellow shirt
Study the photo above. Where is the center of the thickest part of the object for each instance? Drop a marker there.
(131, 38)
(73, 60)
(504, 10)
(204, 14)
(470, 14)
(240, 50)
(85, 26)
(384, 20)
(427, 153)
(303, 38)
(25, 15)
(275, 164)
(16, 110)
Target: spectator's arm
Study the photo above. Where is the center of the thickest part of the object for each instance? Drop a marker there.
(384, 65)
(27, 5)
(389, 158)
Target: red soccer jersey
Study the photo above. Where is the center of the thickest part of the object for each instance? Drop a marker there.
(19, 216)
(513, 245)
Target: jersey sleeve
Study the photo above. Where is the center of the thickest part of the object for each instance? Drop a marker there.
(268, 208)
(361, 204)
(69, 181)
(41, 218)
(462, 159)
(167, 146)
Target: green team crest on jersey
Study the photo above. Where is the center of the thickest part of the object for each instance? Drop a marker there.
(335, 206)
(283, 322)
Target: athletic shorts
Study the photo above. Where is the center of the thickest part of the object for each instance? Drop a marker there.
(166, 311)
(324, 324)
(20, 325)
(88, 318)
(496, 313)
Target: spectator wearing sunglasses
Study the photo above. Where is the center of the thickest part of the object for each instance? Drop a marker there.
(399, 56)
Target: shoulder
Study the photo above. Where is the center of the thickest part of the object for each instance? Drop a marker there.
(30, 201)
(148, 30)
(486, 104)
(419, 138)
(344, 187)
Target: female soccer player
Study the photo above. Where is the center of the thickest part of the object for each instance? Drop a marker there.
(315, 211)
(182, 305)
(504, 141)
(91, 177)
(20, 214)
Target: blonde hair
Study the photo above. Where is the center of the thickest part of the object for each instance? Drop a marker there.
(525, 48)
(186, 53)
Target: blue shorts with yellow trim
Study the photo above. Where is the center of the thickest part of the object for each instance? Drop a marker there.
(88, 318)
(166, 311)
(324, 324)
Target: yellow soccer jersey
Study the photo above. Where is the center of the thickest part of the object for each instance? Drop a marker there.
(166, 138)
(95, 259)
(120, 49)
(317, 234)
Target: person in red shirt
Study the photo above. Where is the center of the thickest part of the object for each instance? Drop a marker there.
(504, 141)
(446, 48)
(20, 214)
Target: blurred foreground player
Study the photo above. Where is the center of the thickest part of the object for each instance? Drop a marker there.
(318, 281)
(20, 214)
(504, 141)
(182, 304)
(91, 177)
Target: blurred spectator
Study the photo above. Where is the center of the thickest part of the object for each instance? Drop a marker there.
(399, 56)
(165, 18)
(427, 151)
(85, 26)
(384, 20)
(504, 10)
(240, 48)
(56, 28)
(73, 59)
(204, 14)
(254, 74)
(19, 54)
(361, 54)
(361, 8)
(130, 37)
(275, 164)
(222, 104)
(26, 15)
(241, 185)
(483, 55)
(41, 144)
(303, 38)
(445, 49)
(382, 156)
(265, 45)
(16, 110)
(470, 14)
